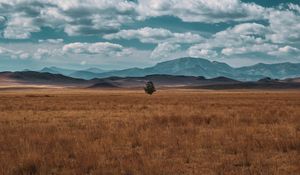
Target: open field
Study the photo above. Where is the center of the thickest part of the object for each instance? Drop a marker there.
(128, 132)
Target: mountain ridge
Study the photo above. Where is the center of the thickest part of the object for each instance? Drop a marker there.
(160, 80)
(190, 66)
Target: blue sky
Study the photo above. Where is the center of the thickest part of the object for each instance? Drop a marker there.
(116, 34)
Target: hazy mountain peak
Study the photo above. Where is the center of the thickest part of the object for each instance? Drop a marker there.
(190, 66)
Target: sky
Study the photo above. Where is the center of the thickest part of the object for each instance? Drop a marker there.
(119, 34)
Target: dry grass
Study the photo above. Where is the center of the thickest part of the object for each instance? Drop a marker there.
(128, 132)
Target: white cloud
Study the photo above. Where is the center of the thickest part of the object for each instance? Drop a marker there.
(42, 53)
(19, 28)
(2, 20)
(294, 7)
(286, 51)
(208, 11)
(52, 41)
(262, 48)
(164, 50)
(76, 17)
(92, 17)
(195, 51)
(16, 54)
(285, 26)
(155, 35)
(241, 34)
(102, 48)
(275, 32)
(83, 63)
(234, 40)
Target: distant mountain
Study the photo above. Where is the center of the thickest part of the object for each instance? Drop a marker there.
(182, 66)
(201, 67)
(104, 85)
(89, 73)
(264, 83)
(40, 78)
(57, 70)
(293, 80)
(280, 70)
(43, 78)
(170, 81)
(163, 81)
(95, 70)
(84, 75)
(190, 67)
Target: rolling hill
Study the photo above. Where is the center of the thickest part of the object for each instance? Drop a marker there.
(160, 81)
(89, 73)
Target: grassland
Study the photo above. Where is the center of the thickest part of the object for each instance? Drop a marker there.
(129, 132)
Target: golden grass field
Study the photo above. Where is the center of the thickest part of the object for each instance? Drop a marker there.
(129, 132)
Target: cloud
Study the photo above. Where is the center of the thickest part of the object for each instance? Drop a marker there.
(207, 11)
(286, 51)
(19, 28)
(16, 54)
(2, 20)
(94, 17)
(83, 63)
(164, 50)
(285, 26)
(242, 39)
(102, 48)
(234, 40)
(155, 35)
(42, 53)
(241, 34)
(269, 31)
(167, 41)
(195, 51)
(262, 48)
(52, 41)
(76, 17)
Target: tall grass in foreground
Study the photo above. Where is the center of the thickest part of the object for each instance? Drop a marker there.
(128, 132)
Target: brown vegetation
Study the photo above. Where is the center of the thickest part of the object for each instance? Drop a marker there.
(129, 132)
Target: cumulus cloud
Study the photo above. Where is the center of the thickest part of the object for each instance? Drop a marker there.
(285, 26)
(52, 41)
(234, 40)
(155, 35)
(164, 50)
(167, 41)
(286, 51)
(253, 28)
(243, 39)
(19, 27)
(76, 17)
(16, 54)
(42, 53)
(102, 48)
(94, 17)
(195, 51)
(2, 20)
(208, 11)
(241, 34)
(263, 48)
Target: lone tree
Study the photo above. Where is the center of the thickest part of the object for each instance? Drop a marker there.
(149, 88)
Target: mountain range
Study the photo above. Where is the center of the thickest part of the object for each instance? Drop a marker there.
(191, 67)
(25, 79)
(84, 74)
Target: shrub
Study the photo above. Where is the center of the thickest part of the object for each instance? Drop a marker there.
(149, 88)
